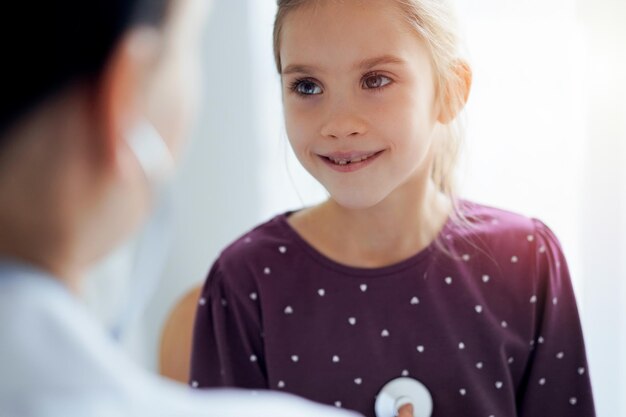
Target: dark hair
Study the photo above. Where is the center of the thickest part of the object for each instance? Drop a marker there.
(48, 44)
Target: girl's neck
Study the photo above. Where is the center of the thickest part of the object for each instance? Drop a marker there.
(406, 222)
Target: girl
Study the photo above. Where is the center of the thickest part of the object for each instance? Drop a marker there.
(392, 275)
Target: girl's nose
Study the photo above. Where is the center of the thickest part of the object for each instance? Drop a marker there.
(343, 124)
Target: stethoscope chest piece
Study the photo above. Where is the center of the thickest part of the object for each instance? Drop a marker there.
(401, 391)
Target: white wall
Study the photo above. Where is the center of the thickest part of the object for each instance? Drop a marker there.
(603, 202)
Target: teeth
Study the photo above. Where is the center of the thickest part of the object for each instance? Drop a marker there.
(339, 161)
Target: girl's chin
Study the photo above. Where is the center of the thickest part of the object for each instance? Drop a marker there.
(355, 201)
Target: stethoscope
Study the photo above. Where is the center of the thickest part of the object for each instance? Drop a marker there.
(401, 391)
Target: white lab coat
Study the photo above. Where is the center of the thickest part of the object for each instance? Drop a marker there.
(56, 361)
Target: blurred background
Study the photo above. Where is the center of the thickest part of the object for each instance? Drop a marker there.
(546, 132)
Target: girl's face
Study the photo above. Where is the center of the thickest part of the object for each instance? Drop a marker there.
(359, 98)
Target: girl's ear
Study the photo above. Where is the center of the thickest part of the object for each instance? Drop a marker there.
(121, 89)
(456, 91)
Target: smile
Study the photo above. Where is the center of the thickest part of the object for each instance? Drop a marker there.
(350, 161)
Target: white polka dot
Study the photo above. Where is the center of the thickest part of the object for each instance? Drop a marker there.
(530, 238)
(358, 381)
(253, 296)
(352, 321)
(511, 360)
(486, 278)
(194, 384)
(267, 271)
(405, 373)
(466, 257)
(448, 280)
(573, 401)
(321, 292)
(253, 358)
(533, 299)
(462, 391)
(420, 349)
(335, 359)
(560, 355)
(558, 264)
(504, 324)
(288, 310)
(248, 239)
(282, 249)
(479, 365)
(532, 343)
(542, 249)
(461, 345)
(498, 384)
(384, 333)
(542, 381)
(581, 370)
(224, 303)
(337, 403)
(202, 301)
(479, 309)
(494, 221)
(541, 339)
(281, 384)
(514, 259)
(295, 358)
(363, 287)
(555, 300)
(415, 301)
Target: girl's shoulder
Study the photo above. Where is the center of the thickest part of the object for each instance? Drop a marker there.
(485, 220)
(502, 232)
(259, 247)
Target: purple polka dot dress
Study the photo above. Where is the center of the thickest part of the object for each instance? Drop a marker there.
(485, 318)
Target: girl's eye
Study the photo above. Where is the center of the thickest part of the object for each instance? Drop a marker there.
(306, 87)
(376, 81)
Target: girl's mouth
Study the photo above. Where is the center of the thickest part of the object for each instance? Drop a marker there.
(349, 161)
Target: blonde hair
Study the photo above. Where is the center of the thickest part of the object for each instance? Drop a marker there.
(434, 21)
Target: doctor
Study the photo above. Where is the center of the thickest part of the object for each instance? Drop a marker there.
(95, 102)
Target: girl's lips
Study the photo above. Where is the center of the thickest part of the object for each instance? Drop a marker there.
(349, 161)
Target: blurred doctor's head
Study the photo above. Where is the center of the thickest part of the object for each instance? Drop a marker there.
(97, 99)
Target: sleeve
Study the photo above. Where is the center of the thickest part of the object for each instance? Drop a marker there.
(227, 347)
(556, 379)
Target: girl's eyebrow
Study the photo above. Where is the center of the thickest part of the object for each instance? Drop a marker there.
(384, 59)
(363, 65)
(297, 69)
